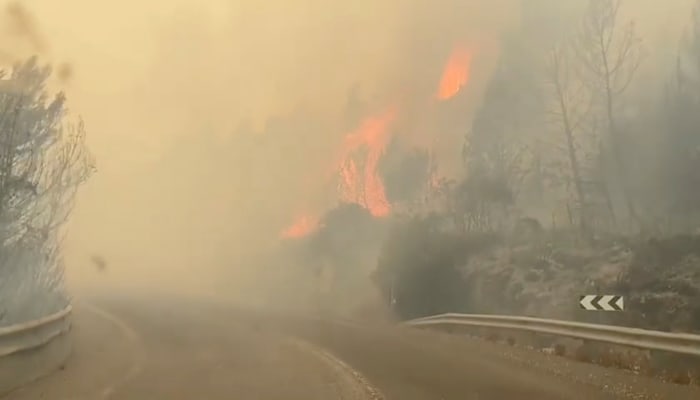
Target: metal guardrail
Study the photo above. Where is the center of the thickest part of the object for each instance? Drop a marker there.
(34, 334)
(679, 343)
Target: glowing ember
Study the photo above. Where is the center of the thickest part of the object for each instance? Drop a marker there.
(455, 74)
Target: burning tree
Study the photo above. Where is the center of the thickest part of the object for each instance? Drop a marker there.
(358, 166)
(42, 163)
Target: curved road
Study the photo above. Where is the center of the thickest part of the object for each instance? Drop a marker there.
(143, 349)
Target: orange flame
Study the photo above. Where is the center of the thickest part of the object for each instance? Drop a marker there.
(455, 75)
(356, 166)
(361, 185)
(303, 226)
(366, 188)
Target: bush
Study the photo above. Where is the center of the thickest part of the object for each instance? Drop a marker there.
(419, 267)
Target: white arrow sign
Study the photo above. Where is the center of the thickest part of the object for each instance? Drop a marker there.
(593, 302)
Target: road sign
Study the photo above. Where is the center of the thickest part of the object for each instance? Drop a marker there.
(593, 302)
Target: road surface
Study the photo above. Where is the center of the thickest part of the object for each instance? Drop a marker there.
(151, 349)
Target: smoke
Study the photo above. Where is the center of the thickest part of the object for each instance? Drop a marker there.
(24, 37)
(163, 88)
(184, 195)
(22, 25)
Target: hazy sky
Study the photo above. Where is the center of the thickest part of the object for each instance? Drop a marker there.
(148, 74)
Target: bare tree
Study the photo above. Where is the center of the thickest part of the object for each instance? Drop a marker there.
(572, 103)
(483, 200)
(43, 162)
(679, 148)
(611, 53)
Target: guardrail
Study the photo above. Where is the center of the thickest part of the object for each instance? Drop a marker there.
(679, 343)
(33, 349)
(33, 334)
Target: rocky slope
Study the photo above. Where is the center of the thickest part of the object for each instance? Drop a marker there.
(660, 279)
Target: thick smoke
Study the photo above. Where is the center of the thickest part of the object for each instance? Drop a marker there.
(216, 124)
(174, 198)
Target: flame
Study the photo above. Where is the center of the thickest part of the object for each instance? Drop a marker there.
(356, 166)
(366, 187)
(349, 181)
(303, 226)
(456, 73)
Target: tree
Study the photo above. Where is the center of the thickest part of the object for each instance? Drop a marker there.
(343, 250)
(500, 129)
(418, 267)
(611, 53)
(43, 161)
(405, 172)
(572, 104)
(502, 142)
(680, 150)
(479, 199)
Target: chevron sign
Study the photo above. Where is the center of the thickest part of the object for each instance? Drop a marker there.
(594, 302)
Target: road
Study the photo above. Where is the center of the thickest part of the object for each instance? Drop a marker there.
(151, 349)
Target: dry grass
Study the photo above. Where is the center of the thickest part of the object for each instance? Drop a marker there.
(493, 337)
(680, 378)
(609, 356)
(560, 350)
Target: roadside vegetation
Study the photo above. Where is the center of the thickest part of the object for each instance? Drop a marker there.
(579, 176)
(43, 162)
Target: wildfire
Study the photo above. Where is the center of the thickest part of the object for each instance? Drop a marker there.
(365, 186)
(455, 75)
(303, 226)
(356, 166)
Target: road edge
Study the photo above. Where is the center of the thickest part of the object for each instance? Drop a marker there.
(27, 366)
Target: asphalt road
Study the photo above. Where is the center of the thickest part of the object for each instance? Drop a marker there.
(151, 349)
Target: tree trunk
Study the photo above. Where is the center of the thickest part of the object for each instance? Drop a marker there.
(573, 163)
(616, 145)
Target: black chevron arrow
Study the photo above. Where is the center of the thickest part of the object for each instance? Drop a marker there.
(602, 302)
(614, 301)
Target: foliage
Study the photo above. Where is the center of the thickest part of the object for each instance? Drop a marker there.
(345, 232)
(42, 163)
(580, 74)
(593, 161)
(405, 172)
(419, 266)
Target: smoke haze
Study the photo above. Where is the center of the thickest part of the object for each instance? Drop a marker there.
(164, 86)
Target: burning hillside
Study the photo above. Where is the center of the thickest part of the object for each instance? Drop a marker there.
(356, 166)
